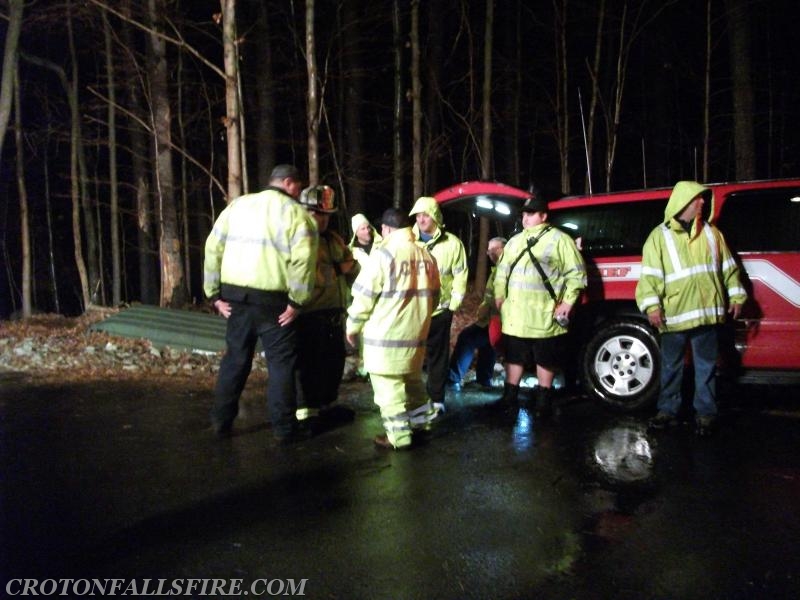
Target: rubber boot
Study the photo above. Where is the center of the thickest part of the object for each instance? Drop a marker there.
(544, 402)
(509, 397)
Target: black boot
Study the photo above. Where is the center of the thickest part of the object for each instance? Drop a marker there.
(509, 397)
(544, 402)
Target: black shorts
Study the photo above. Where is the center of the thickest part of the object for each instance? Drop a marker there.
(550, 353)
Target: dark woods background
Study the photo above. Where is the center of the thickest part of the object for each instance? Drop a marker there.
(628, 86)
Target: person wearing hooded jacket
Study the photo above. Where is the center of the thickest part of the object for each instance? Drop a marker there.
(689, 281)
(260, 259)
(394, 297)
(533, 308)
(364, 239)
(451, 259)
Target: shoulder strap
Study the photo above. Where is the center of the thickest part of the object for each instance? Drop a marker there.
(531, 243)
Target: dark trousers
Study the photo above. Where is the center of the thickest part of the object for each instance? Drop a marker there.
(472, 338)
(437, 354)
(320, 357)
(247, 324)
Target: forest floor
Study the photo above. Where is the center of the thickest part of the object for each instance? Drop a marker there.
(58, 348)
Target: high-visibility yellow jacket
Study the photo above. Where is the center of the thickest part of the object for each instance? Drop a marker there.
(331, 287)
(691, 275)
(264, 241)
(528, 309)
(393, 300)
(450, 256)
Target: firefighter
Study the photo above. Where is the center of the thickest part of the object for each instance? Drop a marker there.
(394, 297)
(320, 325)
(689, 279)
(451, 259)
(260, 260)
(538, 279)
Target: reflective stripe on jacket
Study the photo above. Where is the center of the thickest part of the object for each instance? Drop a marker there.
(451, 259)
(393, 300)
(528, 308)
(263, 241)
(691, 276)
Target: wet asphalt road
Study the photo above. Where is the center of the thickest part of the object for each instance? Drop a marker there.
(123, 479)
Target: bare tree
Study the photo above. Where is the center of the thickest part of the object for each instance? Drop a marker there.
(232, 116)
(353, 93)
(741, 70)
(707, 94)
(173, 290)
(116, 262)
(87, 201)
(594, 74)
(75, 182)
(265, 97)
(416, 103)
(397, 116)
(486, 141)
(10, 52)
(562, 94)
(25, 228)
(312, 109)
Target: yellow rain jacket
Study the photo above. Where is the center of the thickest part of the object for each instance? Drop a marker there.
(264, 241)
(449, 253)
(528, 309)
(332, 287)
(393, 300)
(691, 275)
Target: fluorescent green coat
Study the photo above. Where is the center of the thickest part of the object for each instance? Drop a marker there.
(393, 300)
(528, 309)
(450, 256)
(264, 241)
(331, 289)
(692, 276)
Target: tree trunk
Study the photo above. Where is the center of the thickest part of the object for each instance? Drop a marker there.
(562, 89)
(435, 58)
(51, 259)
(312, 113)
(231, 98)
(140, 168)
(24, 220)
(742, 85)
(10, 50)
(707, 95)
(353, 109)
(88, 202)
(116, 263)
(486, 143)
(173, 289)
(265, 98)
(74, 154)
(416, 103)
(397, 121)
(595, 95)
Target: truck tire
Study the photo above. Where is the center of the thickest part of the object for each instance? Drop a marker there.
(621, 365)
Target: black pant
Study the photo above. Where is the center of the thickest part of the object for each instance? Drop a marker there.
(320, 357)
(437, 354)
(247, 324)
